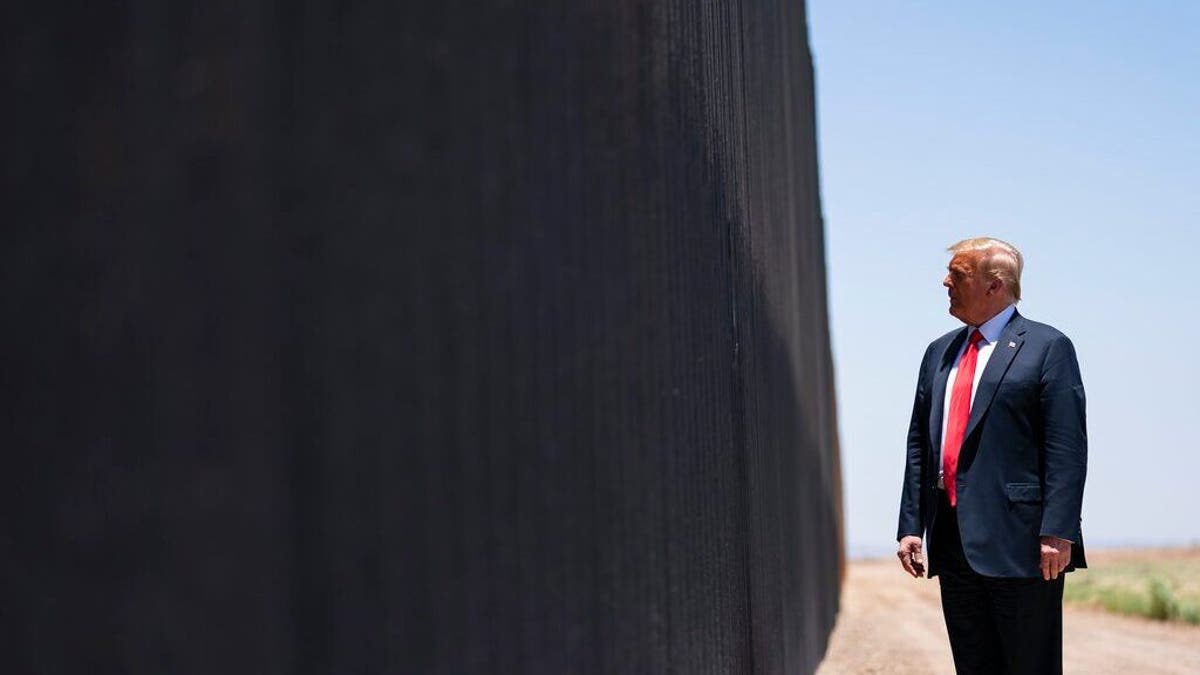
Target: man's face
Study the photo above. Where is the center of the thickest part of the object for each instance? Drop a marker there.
(970, 301)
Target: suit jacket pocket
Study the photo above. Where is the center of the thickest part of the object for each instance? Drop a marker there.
(1024, 492)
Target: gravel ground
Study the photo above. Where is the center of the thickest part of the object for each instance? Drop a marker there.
(891, 623)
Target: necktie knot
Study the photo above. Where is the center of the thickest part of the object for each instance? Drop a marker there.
(976, 337)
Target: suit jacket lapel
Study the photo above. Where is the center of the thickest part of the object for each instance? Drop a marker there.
(938, 390)
(1010, 342)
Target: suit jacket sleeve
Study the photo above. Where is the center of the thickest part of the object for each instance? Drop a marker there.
(910, 493)
(1064, 451)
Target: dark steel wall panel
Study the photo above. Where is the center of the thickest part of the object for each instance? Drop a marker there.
(414, 337)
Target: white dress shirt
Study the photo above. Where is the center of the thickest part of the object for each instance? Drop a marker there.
(991, 330)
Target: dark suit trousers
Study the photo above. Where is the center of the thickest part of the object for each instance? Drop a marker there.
(996, 625)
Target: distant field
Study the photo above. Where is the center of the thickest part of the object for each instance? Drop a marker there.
(1159, 584)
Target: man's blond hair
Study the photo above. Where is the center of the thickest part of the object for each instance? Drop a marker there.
(999, 260)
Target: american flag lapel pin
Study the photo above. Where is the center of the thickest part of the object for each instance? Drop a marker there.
(1012, 344)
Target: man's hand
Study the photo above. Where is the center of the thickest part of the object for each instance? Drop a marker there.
(1056, 555)
(910, 556)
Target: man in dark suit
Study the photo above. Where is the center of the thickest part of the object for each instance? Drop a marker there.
(997, 454)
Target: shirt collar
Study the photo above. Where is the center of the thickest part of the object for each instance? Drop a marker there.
(992, 328)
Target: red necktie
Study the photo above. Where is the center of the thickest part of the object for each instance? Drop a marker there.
(959, 413)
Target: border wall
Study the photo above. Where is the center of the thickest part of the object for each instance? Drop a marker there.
(436, 337)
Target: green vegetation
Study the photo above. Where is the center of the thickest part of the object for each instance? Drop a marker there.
(1165, 587)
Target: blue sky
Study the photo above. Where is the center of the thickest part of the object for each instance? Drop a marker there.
(1070, 129)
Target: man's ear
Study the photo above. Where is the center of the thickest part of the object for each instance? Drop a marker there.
(995, 285)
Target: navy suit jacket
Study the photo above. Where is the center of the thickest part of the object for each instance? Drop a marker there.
(1023, 460)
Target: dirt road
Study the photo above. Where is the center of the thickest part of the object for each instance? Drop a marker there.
(890, 623)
